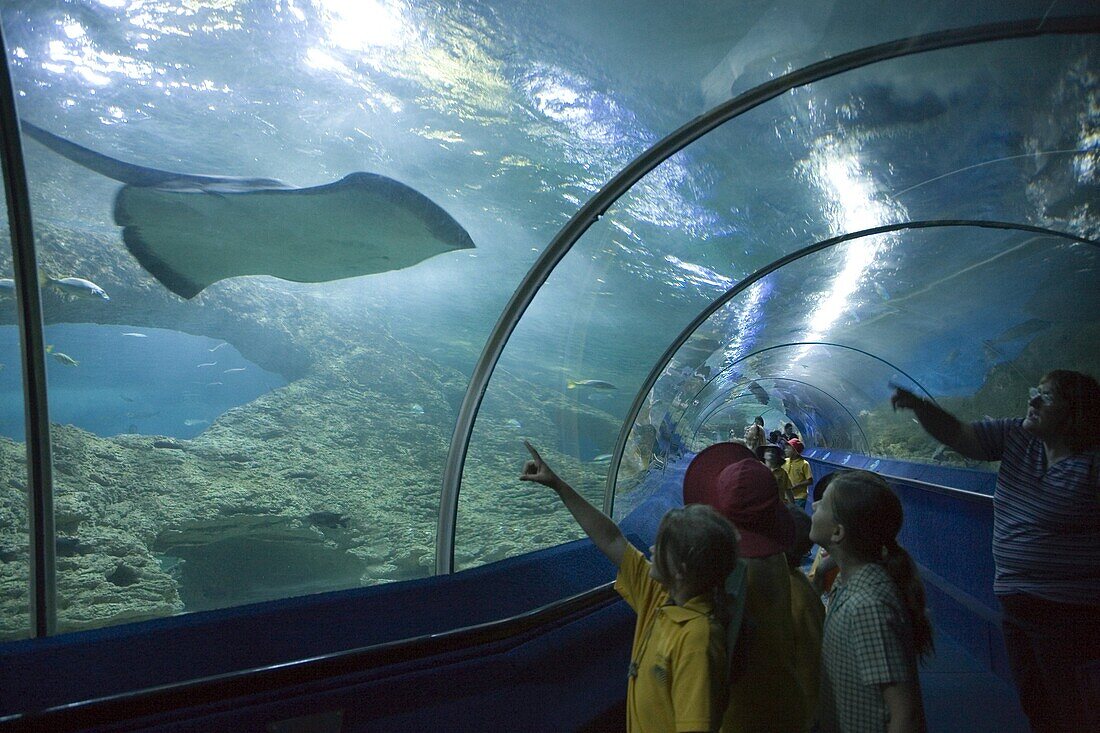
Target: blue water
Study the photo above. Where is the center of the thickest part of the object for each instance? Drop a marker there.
(153, 384)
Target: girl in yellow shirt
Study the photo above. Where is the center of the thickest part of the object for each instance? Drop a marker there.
(678, 673)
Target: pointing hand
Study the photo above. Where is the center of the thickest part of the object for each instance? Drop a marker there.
(536, 469)
(904, 399)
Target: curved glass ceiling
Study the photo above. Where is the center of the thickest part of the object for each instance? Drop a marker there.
(504, 119)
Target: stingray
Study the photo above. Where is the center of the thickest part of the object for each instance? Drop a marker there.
(190, 231)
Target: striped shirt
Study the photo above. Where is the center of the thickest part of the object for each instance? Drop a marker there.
(1046, 519)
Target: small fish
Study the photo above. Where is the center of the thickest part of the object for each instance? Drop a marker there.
(513, 424)
(63, 358)
(602, 458)
(135, 335)
(416, 410)
(191, 422)
(213, 384)
(217, 347)
(206, 364)
(73, 287)
(590, 383)
(235, 369)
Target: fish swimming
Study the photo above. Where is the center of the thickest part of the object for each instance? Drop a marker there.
(63, 358)
(190, 231)
(590, 384)
(223, 343)
(206, 364)
(136, 335)
(73, 287)
(192, 422)
(235, 369)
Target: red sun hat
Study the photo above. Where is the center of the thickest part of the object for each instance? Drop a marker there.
(797, 445)
(730, 478)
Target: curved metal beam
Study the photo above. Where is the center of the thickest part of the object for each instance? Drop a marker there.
(634, 171)
(789, 344)
(699, 320)
(866, 444)
(43, 571)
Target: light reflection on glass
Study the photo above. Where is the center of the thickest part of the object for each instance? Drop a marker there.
(853, 204)
(357, 25)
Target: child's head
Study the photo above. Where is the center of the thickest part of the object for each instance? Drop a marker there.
(860, 516)
(802, 542)
(731, 479)
(773, 457)
(794, 448)
(696, 549)
(859, 511)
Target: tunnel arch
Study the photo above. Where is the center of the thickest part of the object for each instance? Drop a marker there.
(610, 192)
(704, 419)
(777, 265)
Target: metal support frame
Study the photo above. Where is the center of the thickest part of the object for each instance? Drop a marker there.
(763, 272)
(638, 168)
(43, 570)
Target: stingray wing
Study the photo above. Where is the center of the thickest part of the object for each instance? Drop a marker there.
(362, 224)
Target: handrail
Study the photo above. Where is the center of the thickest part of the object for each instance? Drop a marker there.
(221, 687)
(937, 488)
(43, 569)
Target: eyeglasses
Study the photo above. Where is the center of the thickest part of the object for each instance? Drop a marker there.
(1046, 397)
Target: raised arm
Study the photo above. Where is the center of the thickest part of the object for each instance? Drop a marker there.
(597, 525)
(940, 424)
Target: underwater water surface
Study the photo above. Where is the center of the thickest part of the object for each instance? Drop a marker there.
(120, 379)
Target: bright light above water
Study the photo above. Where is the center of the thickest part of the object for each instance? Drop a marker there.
(853, 206)
(357, 25)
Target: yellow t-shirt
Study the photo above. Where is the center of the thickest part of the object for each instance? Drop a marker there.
(679, 656)
(798, 469)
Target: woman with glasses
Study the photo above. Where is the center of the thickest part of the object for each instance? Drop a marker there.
(1046, 538)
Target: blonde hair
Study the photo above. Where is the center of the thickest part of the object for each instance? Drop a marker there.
(700, 545)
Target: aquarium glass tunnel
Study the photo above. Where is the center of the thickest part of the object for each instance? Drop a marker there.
(288, 283)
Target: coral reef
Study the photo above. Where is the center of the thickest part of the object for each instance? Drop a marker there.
(332, 481)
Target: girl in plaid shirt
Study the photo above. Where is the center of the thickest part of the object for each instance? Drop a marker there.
(875, 627)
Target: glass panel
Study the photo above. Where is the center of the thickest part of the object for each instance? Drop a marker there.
(489, 112)
(15, 620)
(904, 140)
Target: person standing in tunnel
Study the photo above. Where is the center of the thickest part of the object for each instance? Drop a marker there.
(798, 470)
(1046, 539)
(754, 434)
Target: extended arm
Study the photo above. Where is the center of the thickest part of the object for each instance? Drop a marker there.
(940, 424)
(906, 710)
(597, 525)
